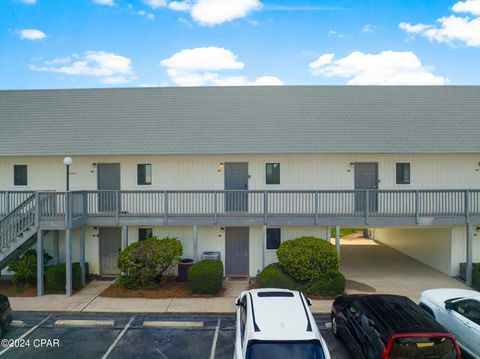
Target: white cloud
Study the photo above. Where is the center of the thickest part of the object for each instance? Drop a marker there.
(146, 14)
(156, 3)
(469, 6)
(104, 2)
(108, 67)
(31, 34)
(215, 12)
(203, 59)
(180, 5)
(384, 68)
(29, 2)
(201, 67)
(369, 28)
(453, 28)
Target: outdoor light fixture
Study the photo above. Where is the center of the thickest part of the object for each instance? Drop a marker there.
(220, 167)
(351, 164)
(67, 161)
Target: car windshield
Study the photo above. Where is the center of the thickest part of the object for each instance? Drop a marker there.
(435, 347)
(285, 350)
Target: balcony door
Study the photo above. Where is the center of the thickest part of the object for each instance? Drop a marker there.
(366, 177)
(236, 178)
(108, 179)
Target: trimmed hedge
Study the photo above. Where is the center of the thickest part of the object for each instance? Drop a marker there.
(328, 284)
(206, 276)
(144, 263)
(273, 276)
(55, 277)
(476, 276)
(25, 268)
(306, 257)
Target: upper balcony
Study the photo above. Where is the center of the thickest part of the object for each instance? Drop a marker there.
(311, 207)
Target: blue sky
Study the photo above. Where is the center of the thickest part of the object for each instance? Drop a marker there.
(109, 43)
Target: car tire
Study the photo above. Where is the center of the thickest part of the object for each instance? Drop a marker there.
(335, 325)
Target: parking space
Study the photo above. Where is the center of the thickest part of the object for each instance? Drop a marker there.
(54, 335)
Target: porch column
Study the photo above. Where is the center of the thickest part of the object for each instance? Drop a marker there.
(82, 256)
(264, 244)
(124, 237)
(40, 264)
(337, 240)
(56, 258)
(468, 276)
(68, 262)
(195, 242)
(327, 233)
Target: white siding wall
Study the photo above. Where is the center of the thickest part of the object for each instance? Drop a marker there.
(202, 172)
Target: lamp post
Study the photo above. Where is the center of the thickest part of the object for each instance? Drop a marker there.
(67, 162)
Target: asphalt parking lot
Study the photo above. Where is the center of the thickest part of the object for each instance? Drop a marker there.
(47, 335)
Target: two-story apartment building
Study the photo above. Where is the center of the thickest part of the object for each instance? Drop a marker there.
(239, 169)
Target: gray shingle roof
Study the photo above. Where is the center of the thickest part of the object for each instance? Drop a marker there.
(216, 120)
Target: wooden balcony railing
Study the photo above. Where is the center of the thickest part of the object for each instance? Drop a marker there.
(314, 204)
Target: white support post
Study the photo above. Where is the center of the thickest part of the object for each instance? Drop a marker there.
(264, 244)
(469, 264)
(68, 262)
(337, 239)
(56, 246)
(82, 256)
(124, 237)
(40, 264)
(195, 242)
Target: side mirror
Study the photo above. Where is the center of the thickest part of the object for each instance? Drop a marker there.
(238, 302)
(309, 302)
(449, 305)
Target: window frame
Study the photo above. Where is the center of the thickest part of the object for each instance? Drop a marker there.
(396, 163)
(279, 173)
(266, 238)
(463, 315)
(13, 175)
(143, 228)
(145, 176)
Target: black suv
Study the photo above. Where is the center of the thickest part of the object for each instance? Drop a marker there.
(390, 327)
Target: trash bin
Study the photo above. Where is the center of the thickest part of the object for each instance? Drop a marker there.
(183, 266)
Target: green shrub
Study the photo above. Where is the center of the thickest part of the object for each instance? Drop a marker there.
(55, 277)
(476, 276)
(205, 277)
(25, 268)
(305, 257)
(273, 276)
(328, 284)
(144, 263)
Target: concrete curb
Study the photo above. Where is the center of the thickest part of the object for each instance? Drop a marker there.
(172, 324)
(84, 323)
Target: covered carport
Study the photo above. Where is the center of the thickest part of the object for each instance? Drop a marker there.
(373, 267)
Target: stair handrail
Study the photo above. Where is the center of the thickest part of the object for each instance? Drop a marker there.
(11, 227)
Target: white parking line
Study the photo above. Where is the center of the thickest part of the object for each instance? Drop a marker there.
(215, 337)
(25, 334)
(117, 339)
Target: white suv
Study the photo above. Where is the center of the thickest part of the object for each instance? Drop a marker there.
(277, 323)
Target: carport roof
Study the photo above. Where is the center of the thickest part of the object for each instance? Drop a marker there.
(240, 120)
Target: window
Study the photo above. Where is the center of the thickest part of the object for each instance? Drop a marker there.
(144, 174)
(273, 238)
(272, 171)
(403, 172)
(470, 309)
(20, 175)
(144, 233)
(243, 316)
